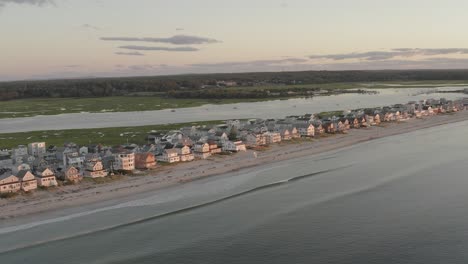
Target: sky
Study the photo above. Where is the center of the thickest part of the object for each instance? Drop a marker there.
(50, 39)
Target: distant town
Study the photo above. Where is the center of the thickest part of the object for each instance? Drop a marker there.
(26, 168)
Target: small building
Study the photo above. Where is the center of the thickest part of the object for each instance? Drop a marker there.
(236, 146)
(185, 153)
(124, 161)
(27, 180)
(285, 134)
(272, 137)
(71, 174)
(214, 148)
(9, 183)
(202, 150)
(37, 149)
(329, 127)
(169, 156)
(306, 130)
(46, 177)
(201, 147)
(94, 169)
(145, 161)
(254, 139)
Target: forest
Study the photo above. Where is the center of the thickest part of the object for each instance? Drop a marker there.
(204, 85)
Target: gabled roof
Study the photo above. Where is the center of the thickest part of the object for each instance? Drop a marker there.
(22, 173)
(6, 175)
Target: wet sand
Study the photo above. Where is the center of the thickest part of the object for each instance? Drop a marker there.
(89, 193)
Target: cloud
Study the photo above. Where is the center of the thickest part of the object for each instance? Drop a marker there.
(72, 66)
(136, 53)
(394, 53)
(89, 26)
(27, 2)
(175, 40)
(146, 48)
(288, 61)
(179, 29)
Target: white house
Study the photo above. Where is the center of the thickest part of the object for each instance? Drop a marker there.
(306, 130)
(272, 137)
(94, 169)
(37, 149)
(184, 152)
(234, 146)
(124, 161)
(169, 156)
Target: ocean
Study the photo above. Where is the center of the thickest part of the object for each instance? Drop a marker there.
(400, 199)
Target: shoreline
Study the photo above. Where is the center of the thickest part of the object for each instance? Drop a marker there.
(89, 193)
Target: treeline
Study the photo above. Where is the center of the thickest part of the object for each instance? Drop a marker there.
(192, 85)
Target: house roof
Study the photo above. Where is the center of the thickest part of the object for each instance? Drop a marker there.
(22, 173)
(170, 151)
(6, 175)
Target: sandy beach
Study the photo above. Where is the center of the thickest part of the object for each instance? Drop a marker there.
(89, 192)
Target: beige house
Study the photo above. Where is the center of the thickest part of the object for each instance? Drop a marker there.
(201, 147)
(272, 137)
(306, 130)
(234, 146)
(185, 153)
(254, 139)
(9, 183)
(295, 133)
(214, 148)
(124, 161)
(285, 134)
(46, 178)
(37, 149)
(169, 156)
(28, 180)
(145, 161)
(377, 119)
(94, 169)
(72, 174)
(202, 150)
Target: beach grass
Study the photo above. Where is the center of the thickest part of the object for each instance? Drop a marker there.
(55, 106)
(105, 136)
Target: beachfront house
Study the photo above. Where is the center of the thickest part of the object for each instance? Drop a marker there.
(145, 161)
(329, 127)
(272, 137)
(27, 180)
(124, 161)
(202, 150)
(285, 134)
(341, 127)
(94, 168)
(185, 153)
(363, 122)
(254, 139)
(236, 146)
(214, 148)
(169, 156)
(46, 177)
(71, 174)
(306, 130)
(9, 183)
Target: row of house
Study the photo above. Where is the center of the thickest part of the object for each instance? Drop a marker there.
(38, 165)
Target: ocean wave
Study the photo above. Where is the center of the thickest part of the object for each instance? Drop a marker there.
(154, 217)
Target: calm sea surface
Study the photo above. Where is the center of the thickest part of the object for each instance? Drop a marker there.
(401, 199)
(269, 109)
